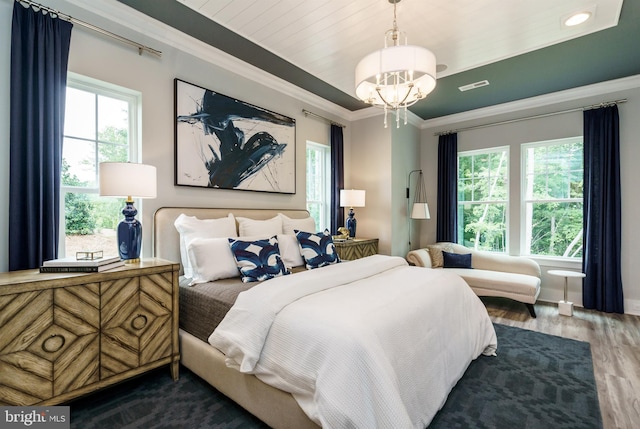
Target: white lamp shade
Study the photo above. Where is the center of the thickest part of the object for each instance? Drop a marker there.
(421, 62)
(352, 198)
(420, 211)
(127, 179)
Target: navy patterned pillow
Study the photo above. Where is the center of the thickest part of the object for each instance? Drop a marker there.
(258, 260)
(317, 250)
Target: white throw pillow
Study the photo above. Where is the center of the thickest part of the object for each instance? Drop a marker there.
(211, 259)
(290, 250)
(289, 225)
(190, 227)
(259, 228)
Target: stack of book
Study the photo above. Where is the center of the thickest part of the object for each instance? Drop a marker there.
(73, 265)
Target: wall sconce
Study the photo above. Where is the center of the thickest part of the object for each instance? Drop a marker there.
(351, 198)
(420, 208)
(127, 179)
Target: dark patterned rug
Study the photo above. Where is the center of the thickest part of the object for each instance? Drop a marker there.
(536, 381)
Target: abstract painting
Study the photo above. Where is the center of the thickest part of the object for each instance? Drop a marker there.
(226, 143)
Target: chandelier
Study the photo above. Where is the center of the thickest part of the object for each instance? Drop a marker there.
(396, 76)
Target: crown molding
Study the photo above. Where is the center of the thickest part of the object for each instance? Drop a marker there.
(137, 21)
(120, 14)
(596, 89)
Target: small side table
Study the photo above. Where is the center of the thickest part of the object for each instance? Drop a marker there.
(565, 307)
(356, 248)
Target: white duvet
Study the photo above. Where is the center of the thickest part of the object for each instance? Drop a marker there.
(372, 343)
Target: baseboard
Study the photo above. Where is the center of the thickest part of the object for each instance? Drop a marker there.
(631, 306)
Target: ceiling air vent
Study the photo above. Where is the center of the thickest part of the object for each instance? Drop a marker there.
(473, 85)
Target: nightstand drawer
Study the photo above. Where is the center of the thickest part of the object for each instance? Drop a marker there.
(356, 248)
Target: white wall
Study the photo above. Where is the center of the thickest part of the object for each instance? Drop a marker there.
(405, 157)
(381, 159)
(370, 169)
(111, 61)
(549, 128)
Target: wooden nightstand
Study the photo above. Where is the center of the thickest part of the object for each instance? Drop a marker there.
(67, 334)
(356, 248)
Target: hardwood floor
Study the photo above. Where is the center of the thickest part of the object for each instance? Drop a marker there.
(615, 349)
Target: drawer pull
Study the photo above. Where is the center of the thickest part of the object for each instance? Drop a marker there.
(53, 343)
(139, 322)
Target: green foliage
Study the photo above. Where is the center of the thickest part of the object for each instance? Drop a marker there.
(483, 227)
(316, 160)
(78, 213)
(107, 212)
(113, 144)
(314, 211)
(84, 213)
(556, 217)
(553, 194)
(482, 195)
(555, 228)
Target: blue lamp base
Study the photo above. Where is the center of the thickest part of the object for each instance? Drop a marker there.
(129, 235)
(351, 223)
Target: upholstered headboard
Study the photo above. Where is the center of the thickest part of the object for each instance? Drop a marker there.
(166, 240)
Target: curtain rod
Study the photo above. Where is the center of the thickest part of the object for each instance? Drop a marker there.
(65, 17)
(544, 115)
(307, 113)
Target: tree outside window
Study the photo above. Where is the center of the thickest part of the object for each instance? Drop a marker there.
(483, 198)
(99, 124)
(318, 183)
(553, 190)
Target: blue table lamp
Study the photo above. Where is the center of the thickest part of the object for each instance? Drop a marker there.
(351, 198)
(130, 180)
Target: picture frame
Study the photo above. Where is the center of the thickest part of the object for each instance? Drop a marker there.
(225, 143)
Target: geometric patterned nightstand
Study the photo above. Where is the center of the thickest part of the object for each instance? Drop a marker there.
(356, 248)
(67, 334)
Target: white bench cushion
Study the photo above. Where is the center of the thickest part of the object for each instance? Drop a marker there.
(522, 287)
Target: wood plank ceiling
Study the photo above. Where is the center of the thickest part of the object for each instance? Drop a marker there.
(328, 38)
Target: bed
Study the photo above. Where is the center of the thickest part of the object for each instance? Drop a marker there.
(262, 362)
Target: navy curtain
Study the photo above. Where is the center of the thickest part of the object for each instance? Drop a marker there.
(337, 177)
(39, 56)
(602, 287)
(447, 209)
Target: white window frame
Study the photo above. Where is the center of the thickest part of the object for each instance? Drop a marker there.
(507, 177)
(325, 203)
(524, 213)
(134, 100)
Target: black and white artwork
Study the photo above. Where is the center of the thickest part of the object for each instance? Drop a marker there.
(226, 143)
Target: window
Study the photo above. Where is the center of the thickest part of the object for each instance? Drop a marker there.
(553, 182)
(483, 198)
(100, 125)
(319, 183)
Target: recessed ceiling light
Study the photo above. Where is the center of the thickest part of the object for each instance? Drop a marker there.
(577, 19)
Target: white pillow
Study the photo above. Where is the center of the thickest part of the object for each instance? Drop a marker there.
(290, 250)
(259, 228)
(211, 259)
(191, 227)
(289, 225)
